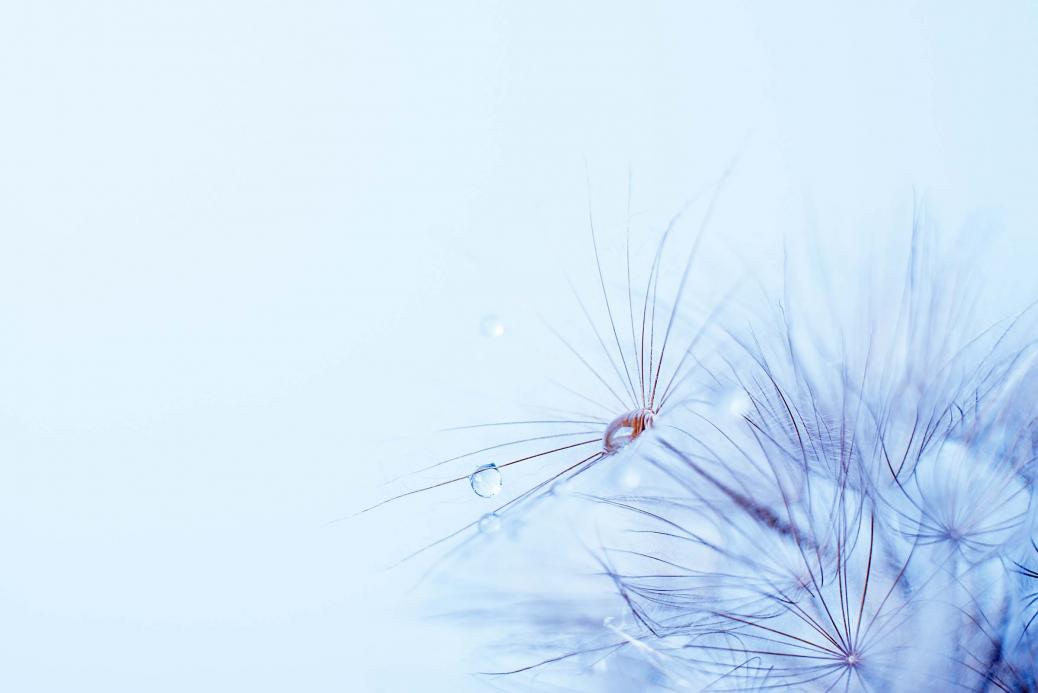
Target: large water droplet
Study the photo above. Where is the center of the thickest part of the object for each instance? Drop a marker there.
(489, 523)
(486, 480)
(625, 428)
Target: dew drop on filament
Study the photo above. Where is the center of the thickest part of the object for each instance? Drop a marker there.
(489, 523)
(486, 481)
(625, 428)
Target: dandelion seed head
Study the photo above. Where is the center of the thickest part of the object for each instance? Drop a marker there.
(830, 497)
(959, 496)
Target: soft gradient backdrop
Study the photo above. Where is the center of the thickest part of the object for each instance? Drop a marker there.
(247, 248)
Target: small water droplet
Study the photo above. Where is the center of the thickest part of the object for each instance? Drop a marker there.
(486, 480)
(489, 523)
(492, 326)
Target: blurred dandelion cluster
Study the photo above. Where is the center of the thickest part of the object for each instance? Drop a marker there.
(754, 492)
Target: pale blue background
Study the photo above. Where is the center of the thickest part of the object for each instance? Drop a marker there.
(246, 248)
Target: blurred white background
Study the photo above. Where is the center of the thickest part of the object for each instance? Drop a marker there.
(247, 249)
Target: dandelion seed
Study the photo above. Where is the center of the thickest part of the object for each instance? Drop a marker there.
(651, 374)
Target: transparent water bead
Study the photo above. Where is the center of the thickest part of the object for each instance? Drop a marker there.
(489, 523)
(486, 481)
(492, 326)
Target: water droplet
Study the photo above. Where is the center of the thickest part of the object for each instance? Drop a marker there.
(625, 428)
(492, 326)
(489, 523)
(486, 480)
